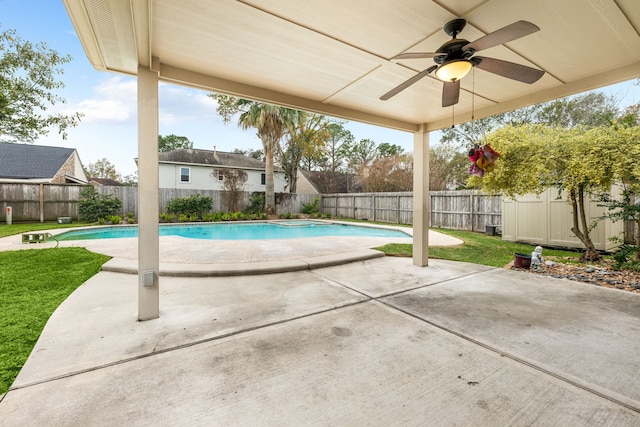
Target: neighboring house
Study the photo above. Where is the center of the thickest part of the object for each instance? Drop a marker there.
(199, 170)
(27, 163)
(104, 182)
(321, 182)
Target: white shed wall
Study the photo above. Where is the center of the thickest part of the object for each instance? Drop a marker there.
(547, 220)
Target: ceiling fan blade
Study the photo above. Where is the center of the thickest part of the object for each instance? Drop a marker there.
(417, 55)
(408, 83)
(511, 70)
(450, 93)
(501, 36)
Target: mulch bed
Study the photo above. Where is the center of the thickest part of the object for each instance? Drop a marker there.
(600, 274)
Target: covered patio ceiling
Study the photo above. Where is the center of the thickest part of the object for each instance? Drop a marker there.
(334, 56)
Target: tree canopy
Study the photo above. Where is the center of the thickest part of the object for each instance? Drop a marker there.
(28, 84)
(579, 160)
(173, 142)
(587, 110)
(306, 135)
(102, 168)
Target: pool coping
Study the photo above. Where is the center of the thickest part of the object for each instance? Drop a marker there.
(128, 266)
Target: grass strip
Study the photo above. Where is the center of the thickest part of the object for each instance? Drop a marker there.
(10, 230)
(33, 283)
(477, 248)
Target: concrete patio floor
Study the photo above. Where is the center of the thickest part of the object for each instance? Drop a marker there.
(372, 342)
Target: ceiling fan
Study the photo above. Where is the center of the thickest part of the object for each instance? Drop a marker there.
(455, 58)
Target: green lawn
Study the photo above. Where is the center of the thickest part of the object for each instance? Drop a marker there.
(33, 283)
(10, 230)
(477, 248)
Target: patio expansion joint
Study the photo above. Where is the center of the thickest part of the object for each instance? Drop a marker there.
(183, 346)
(631, 404)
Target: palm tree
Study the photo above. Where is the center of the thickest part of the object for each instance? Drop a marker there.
(270, 121)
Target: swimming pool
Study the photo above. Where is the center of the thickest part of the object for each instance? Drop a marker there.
(240, 231)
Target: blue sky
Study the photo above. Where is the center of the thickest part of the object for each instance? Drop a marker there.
(108, 100)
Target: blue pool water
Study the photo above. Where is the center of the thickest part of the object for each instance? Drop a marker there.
(239, 231)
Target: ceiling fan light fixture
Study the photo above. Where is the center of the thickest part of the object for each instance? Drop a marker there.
(453, 70)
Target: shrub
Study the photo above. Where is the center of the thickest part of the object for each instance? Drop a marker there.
(624, 258)
(312, 207)
(114, 219)
(167, 217)
(94, 206)
(192, 205)
(256, 203)
(184, 218)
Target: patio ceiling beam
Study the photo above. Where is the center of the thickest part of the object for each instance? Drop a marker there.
(229, 87)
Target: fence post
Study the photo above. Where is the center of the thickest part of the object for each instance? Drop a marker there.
(354, 207)
(41, 202)
(471, 211)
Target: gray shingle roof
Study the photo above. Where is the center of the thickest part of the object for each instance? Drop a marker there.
(207, 157)
(23, 161)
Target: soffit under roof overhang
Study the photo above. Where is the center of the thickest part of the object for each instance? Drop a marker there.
(333, 56)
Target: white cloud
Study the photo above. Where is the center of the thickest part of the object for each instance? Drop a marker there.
(114, 100)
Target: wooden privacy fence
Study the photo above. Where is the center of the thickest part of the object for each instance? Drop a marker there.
(47, 202)
(461, 210)
(39, 202)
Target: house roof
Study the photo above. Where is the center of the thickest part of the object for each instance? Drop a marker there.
(27, 161)
(332, 182)
(212, 158)
(335, 56)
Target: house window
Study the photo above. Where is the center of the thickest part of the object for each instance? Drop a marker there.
(263, 179)
(185, 175)
(220, 176)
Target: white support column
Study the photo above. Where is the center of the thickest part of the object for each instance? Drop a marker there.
(148, 211)
(421, 199)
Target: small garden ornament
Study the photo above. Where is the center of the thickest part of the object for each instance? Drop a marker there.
(536, 259)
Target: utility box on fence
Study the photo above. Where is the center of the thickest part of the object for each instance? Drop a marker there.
(9, 215)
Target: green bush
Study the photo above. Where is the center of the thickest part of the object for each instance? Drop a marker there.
(256, 203)
(114, 219)
(192, 205)
(167, 217)
(311, 208)
(624, 258)
(94, 206)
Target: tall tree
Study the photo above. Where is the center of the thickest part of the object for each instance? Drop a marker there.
(28, 84)
(173, 142)
(306, 134)
(388, 173)
(389, 150)
(447, 167)
(102, 169)
(360, 154)
(337, 145)
(270, 124)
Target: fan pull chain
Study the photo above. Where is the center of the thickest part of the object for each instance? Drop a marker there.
(453, 116)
